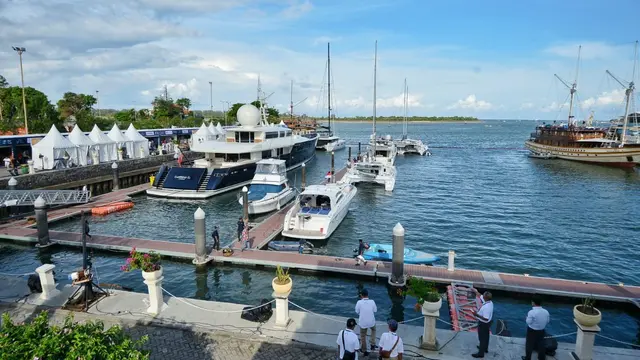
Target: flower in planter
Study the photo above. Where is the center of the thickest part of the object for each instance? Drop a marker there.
(147, 262)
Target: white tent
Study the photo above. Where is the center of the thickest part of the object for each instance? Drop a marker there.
(221, 131)
(140, 143)
(203, 134)
(53, 148)
(121, 142)
(87, 149)
(107, 148)
(213, 130)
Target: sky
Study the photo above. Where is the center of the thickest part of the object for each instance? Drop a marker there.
(490, 59)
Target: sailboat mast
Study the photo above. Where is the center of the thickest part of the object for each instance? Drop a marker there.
(375, 78)
(573, 90)
(406, 105)
(629, 93)
(329, 85)
(291, 103)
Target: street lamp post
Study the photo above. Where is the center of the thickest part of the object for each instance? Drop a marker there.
(20, 50)
(98, 102)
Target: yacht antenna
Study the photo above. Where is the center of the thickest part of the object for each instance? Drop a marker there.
(375, 74)
(572, 87)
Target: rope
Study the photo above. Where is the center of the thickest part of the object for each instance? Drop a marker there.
(316, 314)
(618, 341)
(18, 275)
(410, 320)
(450, 324)
(559, 336)
(214, 311)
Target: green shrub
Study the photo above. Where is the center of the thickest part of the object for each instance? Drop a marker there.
(72, 341)
(422, 290)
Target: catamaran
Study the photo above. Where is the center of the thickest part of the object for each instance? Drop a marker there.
(407, 145)
(327, 140)
(377, 165)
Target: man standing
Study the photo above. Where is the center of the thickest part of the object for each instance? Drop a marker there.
(366, 309)
(360, 257)
(391, 346)
(216, 238)
(537, 320)
(348, 343)
(86, 228)
(240, 228)
(484, 316)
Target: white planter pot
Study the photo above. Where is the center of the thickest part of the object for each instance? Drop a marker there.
(586, 320)
(281, 289)
(431, 307)
(152, 275)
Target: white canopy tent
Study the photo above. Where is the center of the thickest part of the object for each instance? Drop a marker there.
(107, 148)
(52, 149)
(220, 129)
(213, 130)
(121, 141)
(87, 149)
(140, 143)
(203, 134)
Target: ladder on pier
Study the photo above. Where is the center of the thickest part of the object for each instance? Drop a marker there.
(462, 301)
(51, 197)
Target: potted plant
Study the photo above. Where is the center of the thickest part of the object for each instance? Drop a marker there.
(282, 283)
(149, 263)
(428, 299)
(586, 314)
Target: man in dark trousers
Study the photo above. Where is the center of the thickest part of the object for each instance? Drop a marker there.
(240, 228)
(86, 228)
(537, 320)
(216, 238)
(485, 317)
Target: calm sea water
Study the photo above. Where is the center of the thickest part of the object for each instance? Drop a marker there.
(479, 194)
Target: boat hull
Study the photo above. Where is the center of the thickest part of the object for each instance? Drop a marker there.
(358, 174)
(263, 206)
(384, 252)
(626, 157)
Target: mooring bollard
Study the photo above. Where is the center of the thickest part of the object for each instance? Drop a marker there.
(304, 177)
(429, 340)
(245, 204)
(397, 263)
(32, 170)
(48, 283)
(282, 310)
(13, 183)
(154, 284)
(116, 176)
(452, 256)
(349, 156)
(584, 341)
(201, 237)
(42, 223)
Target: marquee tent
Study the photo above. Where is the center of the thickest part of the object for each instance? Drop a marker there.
(140, 143)
(121, 141)
(87, 149)
(52, 150)
(107, 148)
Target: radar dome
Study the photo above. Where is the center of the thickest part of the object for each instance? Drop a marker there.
(248, 115)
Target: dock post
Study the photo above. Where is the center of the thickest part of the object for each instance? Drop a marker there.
(13, 183)
(304, 177)
(32, 170)
(359, 149)
(452, 256)
(397, 263)
(282, 310)
(201, 237)
(154, 285)
(349, 156)
(584, 341)
(116, 176)
(245, 204)
(333, 168)
(48, 283)
(42, 223)
(428, 339)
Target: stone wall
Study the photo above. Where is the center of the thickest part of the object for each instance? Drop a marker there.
(84, 175)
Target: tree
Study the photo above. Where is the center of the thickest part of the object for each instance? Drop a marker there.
(77, 105)
(3, 82)
(164, 109)
(184, 103)
(40, 112)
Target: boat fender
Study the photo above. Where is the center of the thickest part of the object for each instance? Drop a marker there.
(278, 204)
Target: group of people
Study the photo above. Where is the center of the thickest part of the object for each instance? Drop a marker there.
(12, 163)
(242, 228)
(390, 345)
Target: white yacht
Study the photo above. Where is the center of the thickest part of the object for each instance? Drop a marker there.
(335, 145)
(327, 140)
(269, 189)
(406, 145)
(230, 161)
(377, 165)
(318, 211)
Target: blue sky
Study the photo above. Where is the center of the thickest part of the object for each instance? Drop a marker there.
(490, 59)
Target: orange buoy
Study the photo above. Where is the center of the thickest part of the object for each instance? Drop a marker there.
(111, 208)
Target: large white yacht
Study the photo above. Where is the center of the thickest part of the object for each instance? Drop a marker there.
(377, 165)
(406, 145)
(230, 161)
(318, 211)
(269, 189)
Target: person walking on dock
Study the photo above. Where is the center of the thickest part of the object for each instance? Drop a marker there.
(391, 346)
(216, 238)
(360, 257)
(240, 228)
(485, 317)
(85, 228)
(537, 320)
(366, 309)
(348, 343)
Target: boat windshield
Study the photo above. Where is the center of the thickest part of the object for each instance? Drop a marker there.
(270, 169)
(259, 191)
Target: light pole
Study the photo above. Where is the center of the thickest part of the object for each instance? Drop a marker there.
(98, 102)
(20, 50)
(211, 98)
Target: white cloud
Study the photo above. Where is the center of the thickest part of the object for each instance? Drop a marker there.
(471, 103)
(526, 105)
(614, 97)
(589, 51)
(297, 9)
(555, 106)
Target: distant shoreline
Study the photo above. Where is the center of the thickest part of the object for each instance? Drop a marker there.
(410, 121)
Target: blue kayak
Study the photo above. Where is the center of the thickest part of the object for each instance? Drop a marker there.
(384, 252)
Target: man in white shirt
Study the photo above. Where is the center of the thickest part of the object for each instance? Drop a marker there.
(390, 341)
(484, 316)
(348, 340)
(537, 320)
(366, 309)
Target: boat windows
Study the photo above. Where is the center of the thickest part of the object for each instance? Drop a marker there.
(259, 191)
(236, 157)
(271, 135)
(266, 154)
(245, 136)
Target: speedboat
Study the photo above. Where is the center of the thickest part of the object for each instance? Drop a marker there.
(290, 246)
(269, 189)
(335, 145)
(318, 211)
(384, 252)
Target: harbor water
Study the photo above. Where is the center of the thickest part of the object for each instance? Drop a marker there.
(479, 194)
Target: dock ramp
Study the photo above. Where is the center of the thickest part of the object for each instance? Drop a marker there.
(51, 197)
(462, 302)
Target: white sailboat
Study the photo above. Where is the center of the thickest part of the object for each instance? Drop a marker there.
(319, 210)
(377, 165)
(407, 145)
(269, 189)
(327, 140)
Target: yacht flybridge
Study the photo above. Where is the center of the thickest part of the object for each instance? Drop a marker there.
(378, 164)
(269, 189)
(230, 161)
(327, 140)
(406, 145)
